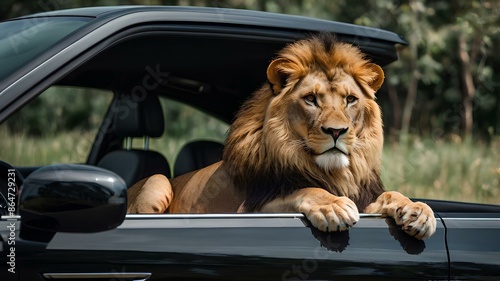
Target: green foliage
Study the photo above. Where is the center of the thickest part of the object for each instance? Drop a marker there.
(61, 109)
(182, 121)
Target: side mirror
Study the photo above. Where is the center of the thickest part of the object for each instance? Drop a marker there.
(71, 198)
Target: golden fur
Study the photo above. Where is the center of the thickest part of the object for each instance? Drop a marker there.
(253, 148)
(309, 141)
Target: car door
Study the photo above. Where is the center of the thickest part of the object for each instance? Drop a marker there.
(235, 247)
(472, 244)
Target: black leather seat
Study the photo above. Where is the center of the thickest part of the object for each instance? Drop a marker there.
(196, 155)
(137, 118)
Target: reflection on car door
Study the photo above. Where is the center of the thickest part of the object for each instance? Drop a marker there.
(242, 247)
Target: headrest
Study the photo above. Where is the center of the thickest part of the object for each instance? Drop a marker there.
(196, 155)
(138, 116)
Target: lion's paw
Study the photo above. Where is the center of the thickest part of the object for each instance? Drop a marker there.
(417, 219)
(336, 215)
(150, 196)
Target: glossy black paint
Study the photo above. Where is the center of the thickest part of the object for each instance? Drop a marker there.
(244, 247)
(72, 198)
(473, 245)
(271, 247)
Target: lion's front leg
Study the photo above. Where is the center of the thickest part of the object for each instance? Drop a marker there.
(325, 211)
(150, 195)
(416, 218)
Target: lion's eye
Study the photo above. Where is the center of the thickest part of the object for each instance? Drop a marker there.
(310, 99)
(350, 99)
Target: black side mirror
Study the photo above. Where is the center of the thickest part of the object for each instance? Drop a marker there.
(72, 198)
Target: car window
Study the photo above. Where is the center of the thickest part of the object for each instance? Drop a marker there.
(59, 126)
(183, 124)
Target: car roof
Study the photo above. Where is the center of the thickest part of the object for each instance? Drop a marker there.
(236, 16)
(224, 51)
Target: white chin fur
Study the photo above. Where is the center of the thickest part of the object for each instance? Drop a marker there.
(330, 161)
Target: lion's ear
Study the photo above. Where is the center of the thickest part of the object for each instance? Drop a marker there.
(378, 80)
(276, 77)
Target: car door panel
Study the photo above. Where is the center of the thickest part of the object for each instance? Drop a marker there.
(473, 245)
(246, 248)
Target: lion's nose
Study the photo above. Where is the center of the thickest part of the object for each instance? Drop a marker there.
(334, 132)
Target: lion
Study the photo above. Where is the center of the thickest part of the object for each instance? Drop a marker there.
(308, 141)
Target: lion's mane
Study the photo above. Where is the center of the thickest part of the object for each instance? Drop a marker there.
(263, 158)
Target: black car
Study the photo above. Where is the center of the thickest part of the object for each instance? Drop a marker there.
(70, 223)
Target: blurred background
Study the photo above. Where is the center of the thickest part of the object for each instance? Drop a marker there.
(440, 101)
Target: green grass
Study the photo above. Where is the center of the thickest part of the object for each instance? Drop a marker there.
(444, 170)
(20, 149)
(422, 169)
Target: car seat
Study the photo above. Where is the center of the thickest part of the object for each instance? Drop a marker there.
(137, 117)
(196, 155)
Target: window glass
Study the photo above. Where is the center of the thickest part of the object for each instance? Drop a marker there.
(59, 126)
(23, 40)
(184, 123)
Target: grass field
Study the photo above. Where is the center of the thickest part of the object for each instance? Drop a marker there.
(423, 169)
(444, 170)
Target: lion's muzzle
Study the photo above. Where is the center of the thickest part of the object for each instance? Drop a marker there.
(334, 132)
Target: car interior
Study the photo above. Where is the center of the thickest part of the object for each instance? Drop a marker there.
(143, 120)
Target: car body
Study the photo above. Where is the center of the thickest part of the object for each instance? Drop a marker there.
(70, 223)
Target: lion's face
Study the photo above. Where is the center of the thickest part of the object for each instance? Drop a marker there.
(316, 123)
(324, 115)
(323, 107)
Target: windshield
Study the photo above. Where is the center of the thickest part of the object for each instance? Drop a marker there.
(25, 39)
